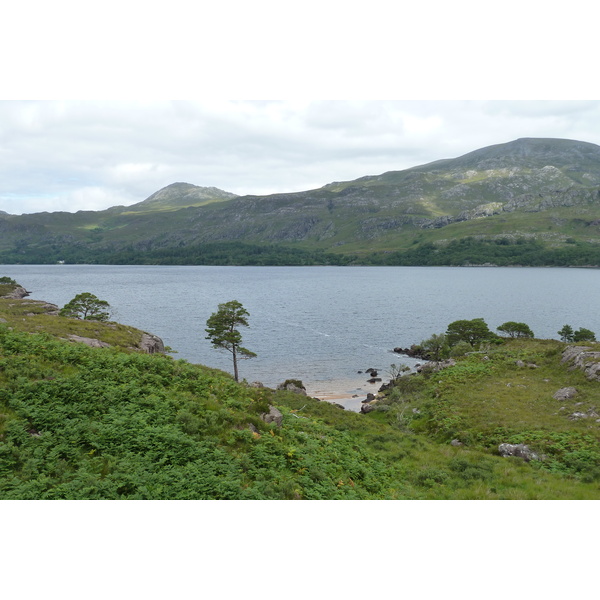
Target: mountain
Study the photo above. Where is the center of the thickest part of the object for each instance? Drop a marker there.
(181, 195)
(529, 201)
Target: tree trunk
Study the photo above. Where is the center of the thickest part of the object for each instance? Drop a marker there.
(235, 366)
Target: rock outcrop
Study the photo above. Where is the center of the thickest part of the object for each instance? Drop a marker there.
(273, 416)
(565, 393)
(518, 450)
(18, 293)
(293, 385)
(584, 358)
(93, 343)
(152, 344)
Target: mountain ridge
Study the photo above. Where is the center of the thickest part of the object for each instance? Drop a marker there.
(545, 190)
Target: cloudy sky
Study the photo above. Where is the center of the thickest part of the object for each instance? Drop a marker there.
(90, 155)
(120, 137)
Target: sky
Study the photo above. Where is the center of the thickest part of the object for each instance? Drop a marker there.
(90, 155)
(100, 108)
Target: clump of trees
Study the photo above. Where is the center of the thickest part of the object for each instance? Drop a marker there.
(567, 334)
(223, 331)
(516, 330)
(468, 335)
(87, 307)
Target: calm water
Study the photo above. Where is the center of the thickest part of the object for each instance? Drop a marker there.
(322, 324)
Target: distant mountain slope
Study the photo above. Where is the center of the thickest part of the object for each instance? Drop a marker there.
(535, 190)
(181, 195)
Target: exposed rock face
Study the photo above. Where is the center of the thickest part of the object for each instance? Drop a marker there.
(293, 385)
(18, 293)
(89, 341)
(273, 416)
(518, 450)
(434, 367)
(152, 344)
(565, 393)
(584, 358)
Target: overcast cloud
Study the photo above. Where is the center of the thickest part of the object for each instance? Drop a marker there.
(90, 155)
(97, 151)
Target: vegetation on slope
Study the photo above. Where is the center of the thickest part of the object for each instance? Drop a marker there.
(113, 423)
(527, 202)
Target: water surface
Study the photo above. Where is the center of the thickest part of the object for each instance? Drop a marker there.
(321, 324)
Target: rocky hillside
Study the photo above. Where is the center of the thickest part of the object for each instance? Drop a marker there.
(546, 190)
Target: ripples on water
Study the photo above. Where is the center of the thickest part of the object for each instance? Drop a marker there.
(321, 324)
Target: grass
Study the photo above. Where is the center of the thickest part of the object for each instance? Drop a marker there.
(80, 422)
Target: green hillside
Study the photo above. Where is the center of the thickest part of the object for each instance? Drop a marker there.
(78, 422)
(541, 192)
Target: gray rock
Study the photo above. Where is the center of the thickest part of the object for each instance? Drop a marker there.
(152, 344)
(273, 416)
(518, 450)
(456, 443)
(565, 393)
(292, 385)
(434, 367)
(585, 359)
(18, 293)
(590, 414)
(93, 343)
(577, 415)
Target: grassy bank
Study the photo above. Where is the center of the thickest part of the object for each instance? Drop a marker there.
(113, 423)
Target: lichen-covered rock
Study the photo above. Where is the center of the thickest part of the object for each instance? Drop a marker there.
(152, 344)
(584, 358)
(293, 385)
(434, 366)
(518, 450)
(273, 416)
(93, 343)
(565, 393)
(17, 293)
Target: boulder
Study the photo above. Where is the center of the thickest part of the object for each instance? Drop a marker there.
(590, 414)
(518, 450)
(152, 344)
(366, 408)
(273, 416)
(293, 385)
(565, 393)
(93, 343)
